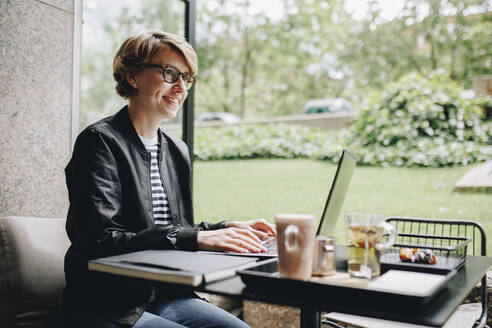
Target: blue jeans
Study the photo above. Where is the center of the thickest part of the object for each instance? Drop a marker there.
(178, 313)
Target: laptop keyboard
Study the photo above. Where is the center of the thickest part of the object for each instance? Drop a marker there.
(270, 244)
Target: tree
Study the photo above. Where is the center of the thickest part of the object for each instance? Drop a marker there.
(227, 48)
(252, 65)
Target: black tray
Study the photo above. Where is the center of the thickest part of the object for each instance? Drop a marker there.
(264, 278)
(450, 253)
(445, 263)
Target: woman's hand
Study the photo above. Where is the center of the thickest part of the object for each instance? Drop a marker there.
(260, 227)
(230, 240)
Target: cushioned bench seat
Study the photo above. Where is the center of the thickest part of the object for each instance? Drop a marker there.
(31, 271)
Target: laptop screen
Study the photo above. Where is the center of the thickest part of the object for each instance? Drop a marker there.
(337, 194)
(333, 204)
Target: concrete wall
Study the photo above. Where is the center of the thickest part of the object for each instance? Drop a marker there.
(326, 121)
(482, 85)
(36, 83)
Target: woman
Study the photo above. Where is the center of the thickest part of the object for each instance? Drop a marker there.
(129, 189)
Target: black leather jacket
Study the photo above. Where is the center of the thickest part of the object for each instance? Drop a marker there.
(111, 213)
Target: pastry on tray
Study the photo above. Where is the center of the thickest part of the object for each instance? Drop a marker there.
(417, 255)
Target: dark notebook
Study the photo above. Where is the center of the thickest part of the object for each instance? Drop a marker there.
(182, 267)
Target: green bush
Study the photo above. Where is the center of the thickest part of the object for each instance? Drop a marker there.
(421, 121)
(288, 141)
(415, 122)
(258, 141)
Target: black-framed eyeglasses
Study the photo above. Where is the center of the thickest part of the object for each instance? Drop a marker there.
(171, 74)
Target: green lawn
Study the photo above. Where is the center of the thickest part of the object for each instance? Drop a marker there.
(246, 189)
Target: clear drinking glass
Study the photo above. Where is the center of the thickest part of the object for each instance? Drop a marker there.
(365, 235)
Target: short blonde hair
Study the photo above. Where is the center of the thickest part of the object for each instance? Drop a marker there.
(139, 49)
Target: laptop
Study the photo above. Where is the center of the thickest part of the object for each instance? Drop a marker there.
(333, 205)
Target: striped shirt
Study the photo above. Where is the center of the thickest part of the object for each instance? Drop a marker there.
(160, 205)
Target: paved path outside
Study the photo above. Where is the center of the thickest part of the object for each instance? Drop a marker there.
(478, 178)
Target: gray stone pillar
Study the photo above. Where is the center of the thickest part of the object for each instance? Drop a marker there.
(37, 106)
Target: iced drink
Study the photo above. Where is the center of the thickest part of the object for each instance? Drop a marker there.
(364, 236)
(362, 251)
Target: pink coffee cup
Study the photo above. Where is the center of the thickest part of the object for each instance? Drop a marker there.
(295, 244)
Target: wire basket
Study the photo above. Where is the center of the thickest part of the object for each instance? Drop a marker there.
(440, 245)
(450, 251)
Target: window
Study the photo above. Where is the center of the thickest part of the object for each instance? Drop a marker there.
(105, 25)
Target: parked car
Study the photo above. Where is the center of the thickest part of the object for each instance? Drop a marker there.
(218, 117)
(327, 106)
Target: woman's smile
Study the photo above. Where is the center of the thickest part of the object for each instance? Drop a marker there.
(170, 99)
